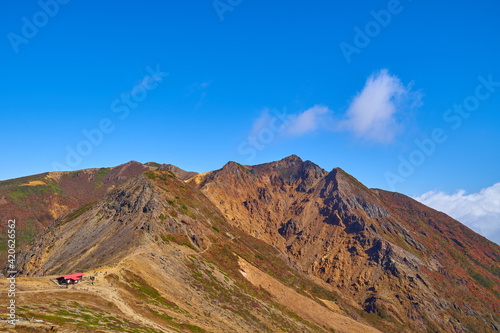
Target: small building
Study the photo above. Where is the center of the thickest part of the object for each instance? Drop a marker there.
(70, 279)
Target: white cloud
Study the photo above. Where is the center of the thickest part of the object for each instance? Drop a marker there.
(309, 121)
(373, 113)
(479, 211)
(296, 124)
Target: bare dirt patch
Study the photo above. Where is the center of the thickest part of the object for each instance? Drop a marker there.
(34, 183)
(303, 306)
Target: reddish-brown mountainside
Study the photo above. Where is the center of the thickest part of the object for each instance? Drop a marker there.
(290, 228)
(35, 202)
(40, 199)
(386, 252)
(176, 264)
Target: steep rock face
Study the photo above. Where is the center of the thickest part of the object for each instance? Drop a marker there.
(334, 228)
(462, 265)
(258, 199)
(148, 208)
(35, 202)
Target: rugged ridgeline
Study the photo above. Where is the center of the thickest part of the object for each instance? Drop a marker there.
(384, 251)
(35, 202)
(283, 245)
(177, 264)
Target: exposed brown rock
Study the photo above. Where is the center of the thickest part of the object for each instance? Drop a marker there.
(393, 262)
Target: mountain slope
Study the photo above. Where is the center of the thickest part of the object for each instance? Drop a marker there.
(237, 249)
(464, 266)
(156, 223)
(35, 202)
(104, 232)
(357, 241)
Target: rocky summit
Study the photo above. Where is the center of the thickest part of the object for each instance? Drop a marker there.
(282, 246)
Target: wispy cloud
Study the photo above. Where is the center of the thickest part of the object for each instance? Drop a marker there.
(374, 112)
(310, 120)
(297, 124)
(479, 211)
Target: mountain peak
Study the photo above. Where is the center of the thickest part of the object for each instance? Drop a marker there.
(293, 158)
(132, 162)
(178, 172)
(233, 166)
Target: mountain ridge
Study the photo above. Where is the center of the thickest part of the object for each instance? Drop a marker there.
(388, 260)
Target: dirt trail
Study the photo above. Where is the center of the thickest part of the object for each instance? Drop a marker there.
(101, 288)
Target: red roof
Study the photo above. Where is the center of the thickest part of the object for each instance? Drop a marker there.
(75, 276)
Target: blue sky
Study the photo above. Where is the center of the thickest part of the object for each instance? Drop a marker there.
(254, 81)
